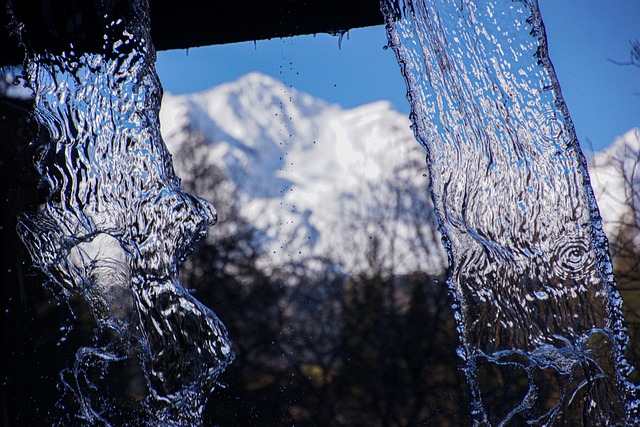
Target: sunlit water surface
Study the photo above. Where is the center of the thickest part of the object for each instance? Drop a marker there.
(538, 313)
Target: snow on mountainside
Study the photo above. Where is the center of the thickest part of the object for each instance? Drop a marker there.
(316, 179)
(615, 177)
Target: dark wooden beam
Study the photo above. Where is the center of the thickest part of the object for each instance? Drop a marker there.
(218, 22)
(53, 24)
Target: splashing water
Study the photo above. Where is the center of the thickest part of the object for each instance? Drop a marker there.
(115, 226)
(537, 309)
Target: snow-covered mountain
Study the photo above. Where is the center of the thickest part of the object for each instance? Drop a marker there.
(316, 179)
(322, 181)
(615, 177)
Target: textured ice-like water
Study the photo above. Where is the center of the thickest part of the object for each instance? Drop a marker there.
(537, 308)
(115, 226)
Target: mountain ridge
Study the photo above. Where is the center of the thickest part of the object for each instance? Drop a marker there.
(315, 178)
(615, 178)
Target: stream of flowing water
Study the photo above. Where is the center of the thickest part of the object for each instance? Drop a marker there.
(114, 228)
(538, 313)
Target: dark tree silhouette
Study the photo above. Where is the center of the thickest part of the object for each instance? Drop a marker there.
(318, 347)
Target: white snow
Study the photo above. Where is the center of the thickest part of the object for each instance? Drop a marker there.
(317, 179)
(615, 177)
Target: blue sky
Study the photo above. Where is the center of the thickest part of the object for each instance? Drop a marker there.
(603, 98)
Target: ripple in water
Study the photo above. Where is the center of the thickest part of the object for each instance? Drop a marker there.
(538, 312)
(114, 228)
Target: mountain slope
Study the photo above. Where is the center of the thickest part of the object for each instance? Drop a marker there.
(615, 177)
(317, 180)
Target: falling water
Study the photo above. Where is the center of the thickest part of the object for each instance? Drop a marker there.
(115, 226)
(538, 313)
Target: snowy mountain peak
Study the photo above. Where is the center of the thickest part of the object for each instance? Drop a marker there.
(615, 177)
(316, 179)
(256, 80)
(262, 92)
(629, 142)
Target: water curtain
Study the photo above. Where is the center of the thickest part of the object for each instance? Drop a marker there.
(116, 224)
(537, 308)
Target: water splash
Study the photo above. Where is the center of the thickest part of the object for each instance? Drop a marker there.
(115, 226)
(538, 312)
